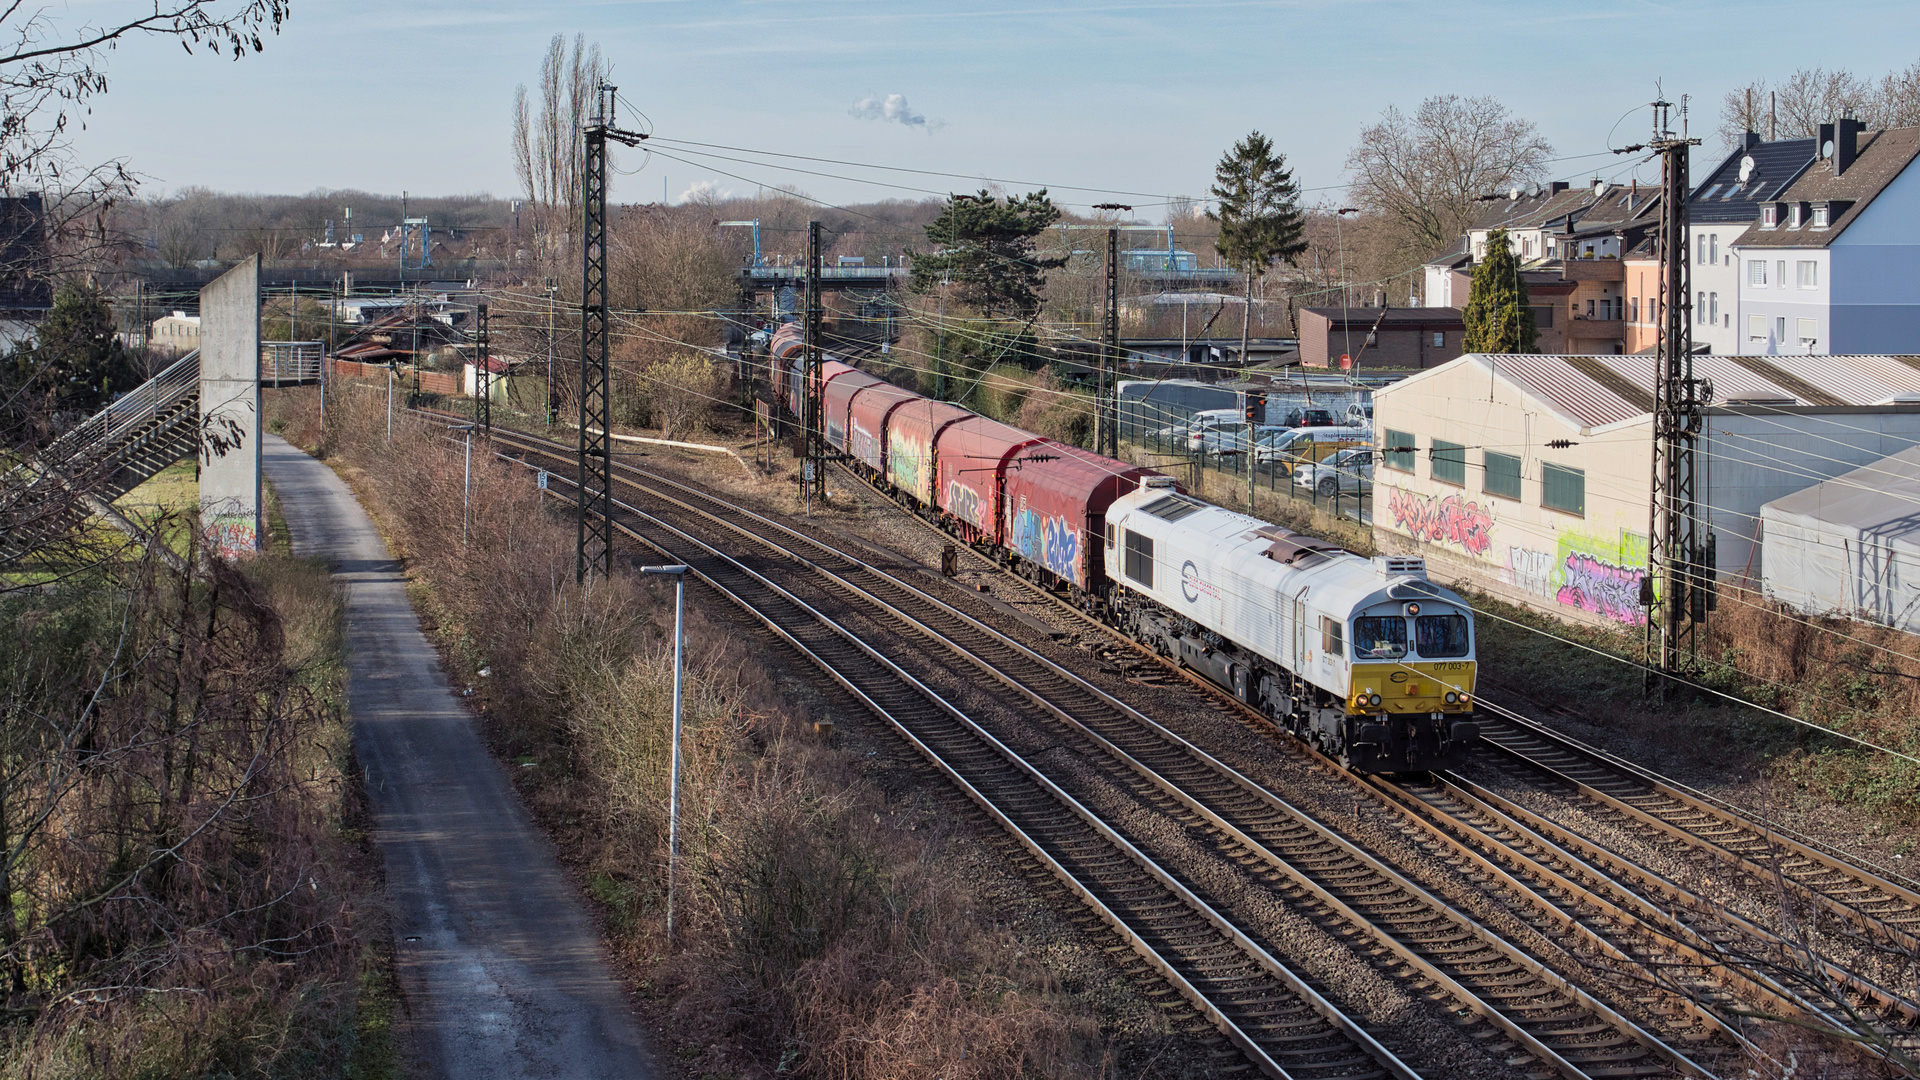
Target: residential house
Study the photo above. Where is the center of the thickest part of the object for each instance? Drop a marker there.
(1831, 265)
(176, 333)
(1719, 211)
(1541, 492)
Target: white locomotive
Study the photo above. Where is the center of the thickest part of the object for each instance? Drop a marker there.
(1365, 657)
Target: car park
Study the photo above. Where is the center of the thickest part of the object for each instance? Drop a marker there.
(1306, 446)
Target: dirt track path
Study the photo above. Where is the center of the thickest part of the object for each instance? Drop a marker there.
(500, 967)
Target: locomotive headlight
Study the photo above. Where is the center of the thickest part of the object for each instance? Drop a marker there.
(1373, 699)
(1452, 698)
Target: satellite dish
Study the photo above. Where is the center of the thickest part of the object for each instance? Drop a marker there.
(1826, 150)
(1746, 167)
(1513, 193)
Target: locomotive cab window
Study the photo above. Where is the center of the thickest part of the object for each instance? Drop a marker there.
(1332, 637)
(1437, 636)
(1379, 637)
(1139, 565)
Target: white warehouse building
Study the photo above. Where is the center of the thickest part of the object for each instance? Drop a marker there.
(1530, 476)
(1850, 546)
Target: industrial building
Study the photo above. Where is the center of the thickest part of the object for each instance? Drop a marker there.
(1850, 546)
(1530, 476)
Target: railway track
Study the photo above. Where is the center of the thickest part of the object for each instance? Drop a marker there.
(1408, 931)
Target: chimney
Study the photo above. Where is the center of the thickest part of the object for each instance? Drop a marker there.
(1846, 143)
(1752, 140)
(1557, 187)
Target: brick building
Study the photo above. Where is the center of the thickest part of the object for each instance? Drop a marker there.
(1401, 339)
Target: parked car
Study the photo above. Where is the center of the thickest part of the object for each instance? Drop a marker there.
(1306, 446)
(1202, 422)
(1359, 415)
(1304, 417)
(1349, 470)
(1230, 440)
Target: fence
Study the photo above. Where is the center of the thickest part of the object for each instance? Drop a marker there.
(444, 383)
(290, 362)
(1162, 437)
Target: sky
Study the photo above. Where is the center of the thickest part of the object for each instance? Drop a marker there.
(1089, 98)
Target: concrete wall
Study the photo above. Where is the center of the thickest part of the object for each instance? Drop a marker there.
(1753, 455)
(230, 411)
(1583, 567)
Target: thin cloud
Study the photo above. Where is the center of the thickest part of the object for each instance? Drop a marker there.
(893, 109)
(704, 191)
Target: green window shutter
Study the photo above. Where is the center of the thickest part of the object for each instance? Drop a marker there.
(1502, 475)
(1449, 463)
(1398, 459)
(1562, 488)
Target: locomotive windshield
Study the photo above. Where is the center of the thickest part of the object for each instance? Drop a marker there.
(1440, 635)
(1379, 637)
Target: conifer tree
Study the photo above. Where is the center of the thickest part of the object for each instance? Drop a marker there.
(1258, 208)
(1497, 316)
(987, 253)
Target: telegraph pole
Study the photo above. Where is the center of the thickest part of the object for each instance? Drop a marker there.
(813, 470)
(594, 550)
(482, 374)
(1677, 591)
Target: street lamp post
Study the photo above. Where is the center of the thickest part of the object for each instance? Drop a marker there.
(466, 486)
(679, 575)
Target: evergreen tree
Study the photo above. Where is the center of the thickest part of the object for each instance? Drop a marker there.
(1258, 208)
(987, 253)
(75, 365)
(1497, 316)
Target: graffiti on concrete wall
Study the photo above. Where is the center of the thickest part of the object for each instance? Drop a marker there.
(1529, 571)
(1603, 578)
(231, 536)
(1452, 520)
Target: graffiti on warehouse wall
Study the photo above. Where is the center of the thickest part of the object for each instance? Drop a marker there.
(1050, 541)
(1529, 571)
(1603, 577)
(1449, 520)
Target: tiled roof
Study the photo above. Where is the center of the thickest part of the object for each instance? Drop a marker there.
(1596, 391)
(1395, 316)
(1722, 197)
(1883, 155)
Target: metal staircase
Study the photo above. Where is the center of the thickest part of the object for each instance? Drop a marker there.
(108, 455)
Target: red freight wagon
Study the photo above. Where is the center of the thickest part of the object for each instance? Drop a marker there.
(867, 422)
(797, 382)
(974, 457)
(784, 352)
(1056, 510)
(911, 432)
(839, 395)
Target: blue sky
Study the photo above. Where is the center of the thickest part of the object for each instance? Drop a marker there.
(1139, 97)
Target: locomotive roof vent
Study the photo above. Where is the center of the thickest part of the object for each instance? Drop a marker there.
(1400, 566)
(1295, 549)
(1156, 481)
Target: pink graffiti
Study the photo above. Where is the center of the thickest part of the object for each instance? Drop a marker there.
(1451, 520)
(1604, 589)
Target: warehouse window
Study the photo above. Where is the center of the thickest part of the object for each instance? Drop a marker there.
(1563, 489)
(1140, 558)
(1450, 463)
(1502, 475)
(1399, 450)
(1333, 637)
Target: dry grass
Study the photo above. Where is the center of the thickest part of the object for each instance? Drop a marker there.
(817, 937)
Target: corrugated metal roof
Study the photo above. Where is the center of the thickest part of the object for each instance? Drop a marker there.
(1601, 390)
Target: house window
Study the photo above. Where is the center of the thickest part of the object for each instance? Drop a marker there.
(1780, 328)
(1563, 489)
(1713, 309)
(1807, 273)
(1769, 216)
(1502, 475)
(1333, 634)
(1449, 463)
(1633, 310)
(1757, 272)
(1819, 217)
(1589, 309)
(1703, 250)
(1780, 273)
(1793, 216)
(1803, 329)
(1700, 308)
(1398, 452)
(1139, 564)
(1542, 317)
(1713, 243)
(1756, 328)
(1439, 339)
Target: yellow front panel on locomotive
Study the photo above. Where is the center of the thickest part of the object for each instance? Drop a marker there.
(1421, 686)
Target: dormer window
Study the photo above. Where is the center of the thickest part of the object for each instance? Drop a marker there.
(1793, 216)
(1821, 217)
(1770, 216)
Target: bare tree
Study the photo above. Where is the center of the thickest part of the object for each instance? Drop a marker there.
(546, 145)
(1797, 106)
(1422, 172)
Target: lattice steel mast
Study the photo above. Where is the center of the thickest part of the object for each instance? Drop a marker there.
(482, 373)
(595, 549)
(813, 470)
(1677, 589)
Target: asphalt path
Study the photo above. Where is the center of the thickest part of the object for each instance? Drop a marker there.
(501, 969)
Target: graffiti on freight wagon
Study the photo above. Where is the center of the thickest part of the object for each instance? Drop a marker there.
(965, 503)
(1451, 520)
(1050, 541)
(907, 465)
(864, 446)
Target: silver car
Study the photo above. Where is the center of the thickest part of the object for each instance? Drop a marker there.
(1348, 470)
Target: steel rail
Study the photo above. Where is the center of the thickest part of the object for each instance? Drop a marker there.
(1434, 970)
(1048, 851)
